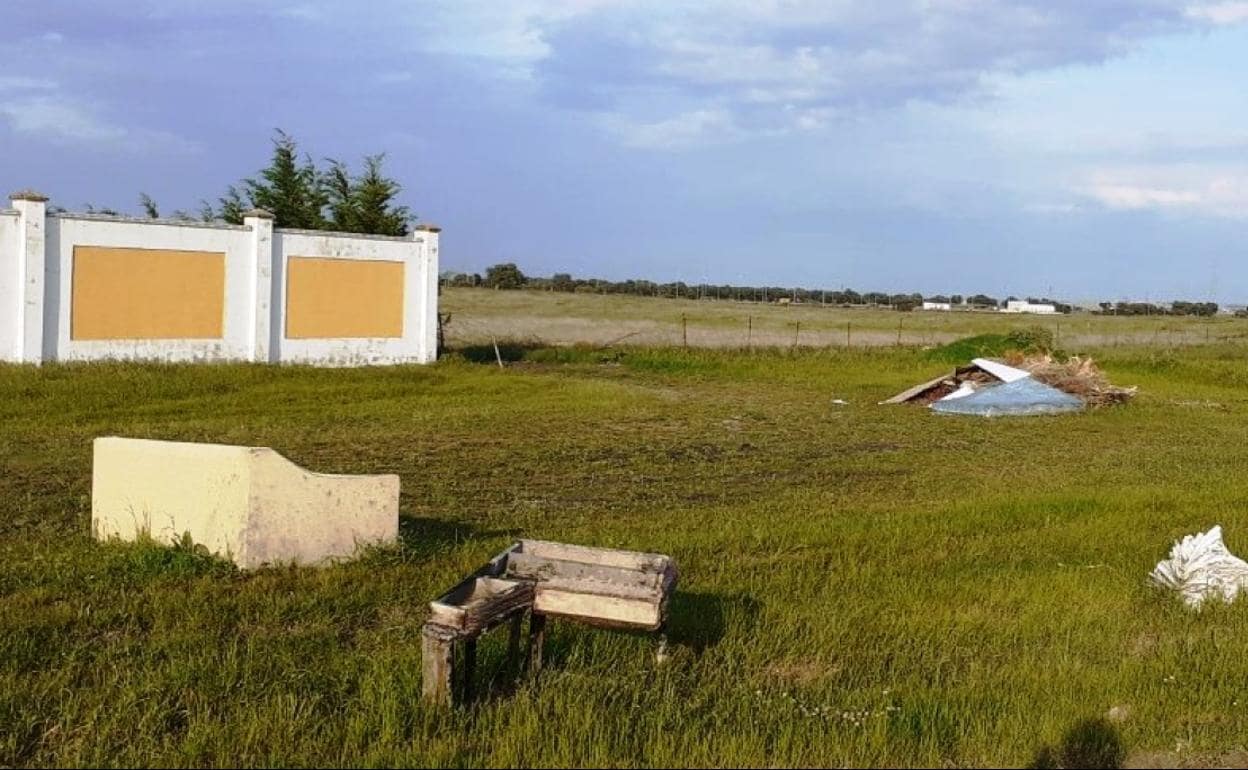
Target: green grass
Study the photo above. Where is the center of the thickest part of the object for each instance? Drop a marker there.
(1036, 339)
(860, 584)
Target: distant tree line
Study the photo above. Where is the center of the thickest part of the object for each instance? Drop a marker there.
(301, 194)
(509, 276)
(1205, 309)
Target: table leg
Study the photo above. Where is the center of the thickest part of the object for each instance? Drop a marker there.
(438, 664)
(513, 646)
(537, 641)
(470, 670)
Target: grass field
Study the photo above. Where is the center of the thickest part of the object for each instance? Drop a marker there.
(860, 584)
(479, 315)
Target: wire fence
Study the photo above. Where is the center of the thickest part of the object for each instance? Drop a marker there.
(750, 331)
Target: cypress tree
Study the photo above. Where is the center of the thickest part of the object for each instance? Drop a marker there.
(373, 194)
(300, 195)
(288, 189)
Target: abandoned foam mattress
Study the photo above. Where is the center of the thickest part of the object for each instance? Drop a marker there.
(1027, 396)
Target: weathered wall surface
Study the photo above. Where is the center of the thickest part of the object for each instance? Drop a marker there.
(10, 304)
(84, 287)
(165, 489)
(356, 302)
(247, 504)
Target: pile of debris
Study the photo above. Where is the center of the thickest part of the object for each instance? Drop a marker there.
(1038, 385)
(1078, 376)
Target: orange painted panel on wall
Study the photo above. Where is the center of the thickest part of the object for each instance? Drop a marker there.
(334, 298)
(147, 294)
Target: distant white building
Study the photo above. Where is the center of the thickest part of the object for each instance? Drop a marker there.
(1023, 306)
(937, 306)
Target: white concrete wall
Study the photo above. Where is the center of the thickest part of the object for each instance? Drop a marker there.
(68, 230)
(10, 284)
(28, 260)
(248, 504)
(36, 288)
(419, 340)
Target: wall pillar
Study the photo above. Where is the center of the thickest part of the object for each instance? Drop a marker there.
(32, 236)
(428, 237)
(262, 346)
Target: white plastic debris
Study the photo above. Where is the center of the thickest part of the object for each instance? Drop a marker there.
(1000, 371)
(1200, 568)
(964, 390)
(1020, 398)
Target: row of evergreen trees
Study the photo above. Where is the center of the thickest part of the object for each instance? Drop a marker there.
(301, 194)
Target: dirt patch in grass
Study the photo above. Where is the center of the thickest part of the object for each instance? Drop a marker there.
(800, 672)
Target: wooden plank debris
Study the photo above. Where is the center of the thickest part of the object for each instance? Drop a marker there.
(939, 387)
(478, 602)
(599, 586)
(910, 394)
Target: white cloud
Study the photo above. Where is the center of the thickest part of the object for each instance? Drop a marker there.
(55, 118)
(512, 34)
(684, 130)
(1126, 196)
(302, 12)
(1052, 208)
(55, 38)
(22, 83)
(1219, 191)
(39, 108)
(1220, 13)
(744, 57)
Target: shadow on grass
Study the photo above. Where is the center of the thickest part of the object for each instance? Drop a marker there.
(700, 620)
(422, 537)
(1090, 743)
(535, 353)
(696, 621)
(510, 352)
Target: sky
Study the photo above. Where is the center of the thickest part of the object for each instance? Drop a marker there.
(1076, 148)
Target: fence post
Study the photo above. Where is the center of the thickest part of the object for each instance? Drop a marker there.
(848, 338)
(428, 236)
(684, 331)
(749, 332)
(265, 279)
(32, 210)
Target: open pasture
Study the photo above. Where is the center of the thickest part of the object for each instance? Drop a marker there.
(860, 584)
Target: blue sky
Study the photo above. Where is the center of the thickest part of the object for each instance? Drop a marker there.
(1094, 149)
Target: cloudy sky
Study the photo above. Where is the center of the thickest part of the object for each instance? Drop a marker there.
(1094, 148)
